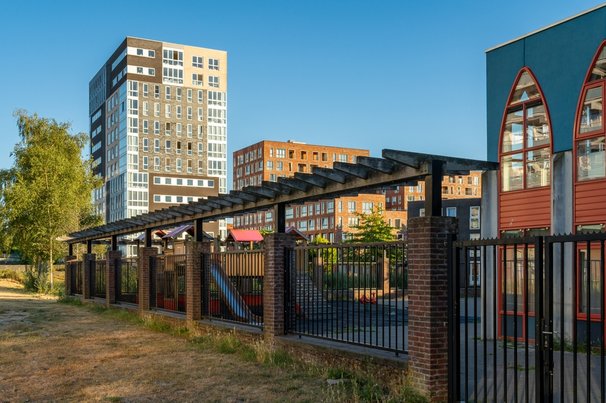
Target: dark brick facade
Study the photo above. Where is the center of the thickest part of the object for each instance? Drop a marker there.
(428, 303)
(274, 283)
(144, 277)
(113, 260)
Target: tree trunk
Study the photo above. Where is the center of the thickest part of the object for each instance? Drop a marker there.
(50, 263)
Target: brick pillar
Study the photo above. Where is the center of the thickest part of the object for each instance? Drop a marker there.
(113, 260)
(68, 274)
(428, 303)
(87, 274)
(193, 278)
(274, 283)
(144, 277)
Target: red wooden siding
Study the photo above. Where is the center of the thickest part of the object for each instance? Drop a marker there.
(590, 202)
(530, 208)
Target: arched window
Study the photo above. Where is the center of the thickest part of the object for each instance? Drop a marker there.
(525, 154)
(590, 127)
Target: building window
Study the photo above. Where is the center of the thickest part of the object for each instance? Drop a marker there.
(197, 61)
(474, 217)
(451, 211)
(197, 79)
(213, 81)
(213, 64)
(590, 153)
(526, 138)
(351, 206)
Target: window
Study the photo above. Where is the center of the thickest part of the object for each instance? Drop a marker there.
(200, 114)
(200, 96)
(156, 91)
(351, 206)
(167, 92)
(474, 217)
(197, 79)
(526, 138)
(189, 113)
(213, 81)
(145, 90)
(157, 109)
(197, 61)
(590, 155)
(451, 211)
(189, 94)
(145, 127)
(270, 165)
(178, 93)
(280, 153)
(156, 127)
(213, 64)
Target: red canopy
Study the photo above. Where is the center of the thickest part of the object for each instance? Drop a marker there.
(244, 235)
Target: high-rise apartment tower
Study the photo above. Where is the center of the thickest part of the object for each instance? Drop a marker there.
(158, 127)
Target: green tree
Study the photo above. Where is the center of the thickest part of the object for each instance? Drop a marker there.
(372, 227)
(47, 192)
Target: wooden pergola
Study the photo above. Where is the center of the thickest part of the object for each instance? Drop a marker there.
(394, 168)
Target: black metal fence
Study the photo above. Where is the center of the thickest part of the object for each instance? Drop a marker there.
(536, 330)
(127, 280)
(232, 286)
(98, 278)
(350, 293)
(76, 277)
(168, 282)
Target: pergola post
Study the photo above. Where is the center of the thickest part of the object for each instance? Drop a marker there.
(428, 303)
(68, 271)
(145, 277)
(278, 247)
(87, 275)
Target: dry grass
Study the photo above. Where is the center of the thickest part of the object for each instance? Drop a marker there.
(52, 351)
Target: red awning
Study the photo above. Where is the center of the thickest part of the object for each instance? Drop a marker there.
(244, 235)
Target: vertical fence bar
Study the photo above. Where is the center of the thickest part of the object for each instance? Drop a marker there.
(573, 317)
(504, 319)
(526, 337)
(484, 318)
(602, 324)
(515, 322)
(562, 319)
(546, 254)
(539, 360)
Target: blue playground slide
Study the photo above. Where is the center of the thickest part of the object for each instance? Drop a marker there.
(231, 296)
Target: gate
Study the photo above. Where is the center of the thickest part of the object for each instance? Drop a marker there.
(532, 329)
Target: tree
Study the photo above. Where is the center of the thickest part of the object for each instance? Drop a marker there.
(47, 192)
(372, 227)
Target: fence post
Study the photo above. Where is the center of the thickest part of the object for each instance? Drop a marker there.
(144, 277)
(193, 278)
(428, 303)
(274, 283)
(87, 274)
(68, 274)
(113, 259)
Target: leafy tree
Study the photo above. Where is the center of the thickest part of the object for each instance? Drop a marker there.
(47, 192)
(372, 227)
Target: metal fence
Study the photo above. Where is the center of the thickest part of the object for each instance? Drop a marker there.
(98, 278)
(76, 277)
(350, 293)
(127, 280)
(232, 286)
(168, 282)
(536, 330)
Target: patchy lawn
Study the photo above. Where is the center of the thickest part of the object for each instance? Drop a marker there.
(51, 351)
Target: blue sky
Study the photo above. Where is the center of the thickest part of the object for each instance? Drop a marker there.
(366, 74)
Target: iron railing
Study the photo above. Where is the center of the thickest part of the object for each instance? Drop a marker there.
(98, 284)
(168, 282)
(232, 286)
(76, 277)
(534, 332)
(127, 284)
(350, 293)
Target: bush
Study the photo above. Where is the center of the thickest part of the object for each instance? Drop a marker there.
(35, 281)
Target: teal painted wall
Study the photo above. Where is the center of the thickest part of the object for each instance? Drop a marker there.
(559, 58)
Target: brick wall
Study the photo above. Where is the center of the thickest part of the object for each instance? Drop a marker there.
(274, 283)
(113, 259)
(144, 277)
(428, 303)
(193, 278)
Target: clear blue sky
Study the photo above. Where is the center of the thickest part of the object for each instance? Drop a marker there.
(368, 74)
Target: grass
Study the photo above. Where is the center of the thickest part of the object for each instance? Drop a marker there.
(351, 385)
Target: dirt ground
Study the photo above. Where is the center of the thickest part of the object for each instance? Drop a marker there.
(51, 351)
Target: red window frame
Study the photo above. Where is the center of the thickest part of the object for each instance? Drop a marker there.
(509, 107)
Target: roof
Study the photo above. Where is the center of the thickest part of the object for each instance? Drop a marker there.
(299, 234)
(546, 27)
(244, 235)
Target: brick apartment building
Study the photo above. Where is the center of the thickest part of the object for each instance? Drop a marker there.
(453, 187)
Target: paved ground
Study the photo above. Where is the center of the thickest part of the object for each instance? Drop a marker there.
(51, 351)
